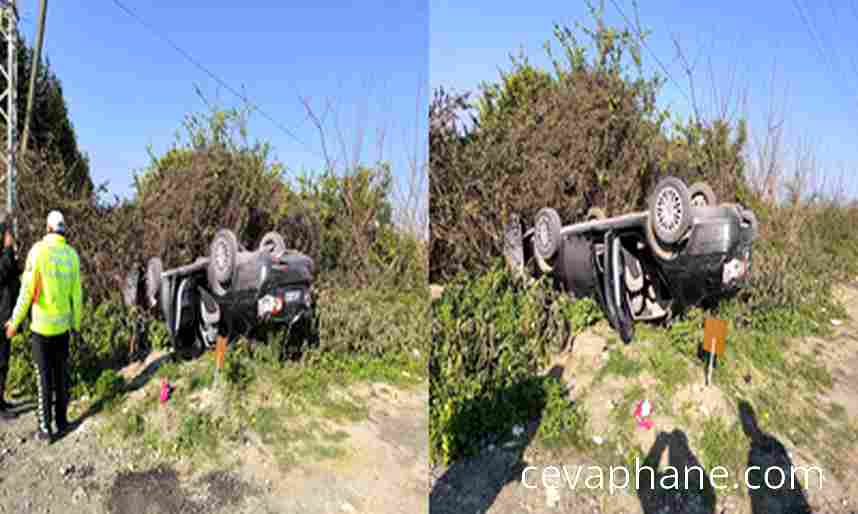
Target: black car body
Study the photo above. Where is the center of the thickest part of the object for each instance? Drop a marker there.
(232, 291)
(646, 265)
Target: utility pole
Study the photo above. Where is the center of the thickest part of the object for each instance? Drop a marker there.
(28, 114)
(9, 30)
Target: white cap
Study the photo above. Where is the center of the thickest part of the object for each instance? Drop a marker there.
(56, 222)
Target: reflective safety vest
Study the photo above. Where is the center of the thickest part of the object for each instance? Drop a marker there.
(51, 284)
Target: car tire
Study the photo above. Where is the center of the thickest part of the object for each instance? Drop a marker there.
(618, 305)
(273, 244)
(701, 194)
(154, 268)
(546, 236)
(670, 210)
(223, 253)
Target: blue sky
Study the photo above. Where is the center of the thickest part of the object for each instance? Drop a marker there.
(811, 46)
(127, 89)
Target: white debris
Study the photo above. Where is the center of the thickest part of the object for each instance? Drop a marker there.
(836, 322)
(517, 430)
(598, 439)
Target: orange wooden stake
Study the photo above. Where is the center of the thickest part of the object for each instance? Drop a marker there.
(714, 342)
(220, 351)
(715, 336)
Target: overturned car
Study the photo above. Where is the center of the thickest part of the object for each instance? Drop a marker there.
(684, 250)
(232, 291)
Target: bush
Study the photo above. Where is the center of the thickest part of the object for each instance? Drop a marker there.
(109, 385)
(106, 234)
(215, 178)
(106, 331)
(375, 321)
(491, 336)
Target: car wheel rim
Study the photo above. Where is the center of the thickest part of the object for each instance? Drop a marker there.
(544, 235)
(221, 256)
(698, 201)
(668, 210)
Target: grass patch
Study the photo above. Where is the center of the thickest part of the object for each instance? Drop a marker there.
(721, 443)
(294, 408)
(619, 364)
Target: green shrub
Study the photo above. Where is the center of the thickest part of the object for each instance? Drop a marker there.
(375, 320)
(106, 331)
(109, 385)
(491, 336)
(561, 424)
(238, 367)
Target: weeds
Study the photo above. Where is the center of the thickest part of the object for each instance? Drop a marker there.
(490, 337)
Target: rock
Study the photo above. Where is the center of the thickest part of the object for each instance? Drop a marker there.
(347, 507)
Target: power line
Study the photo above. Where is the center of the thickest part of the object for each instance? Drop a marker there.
(213, 75)
(653, 54)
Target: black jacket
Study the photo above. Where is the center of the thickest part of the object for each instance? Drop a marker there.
(10, 282)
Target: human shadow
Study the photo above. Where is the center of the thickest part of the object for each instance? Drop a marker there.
(471, 484)
(683, 487)
(139, 381)
(765, 455)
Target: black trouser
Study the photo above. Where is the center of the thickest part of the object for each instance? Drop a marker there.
(50, 354)
(5, 350)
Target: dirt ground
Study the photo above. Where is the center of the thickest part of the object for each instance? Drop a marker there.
(492, 482)
(383, 470)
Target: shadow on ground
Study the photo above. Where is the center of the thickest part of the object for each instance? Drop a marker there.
(138, 382)
(471, 485)
(683, 487)
(768, 455)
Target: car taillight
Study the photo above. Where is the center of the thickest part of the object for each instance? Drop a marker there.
(269, 306)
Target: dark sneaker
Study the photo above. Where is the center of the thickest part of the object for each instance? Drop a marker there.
(4, 405)
(6, 414)
(43, 436)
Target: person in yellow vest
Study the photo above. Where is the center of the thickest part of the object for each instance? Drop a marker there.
(51, 286)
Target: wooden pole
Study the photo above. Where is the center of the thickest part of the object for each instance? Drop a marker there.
(43, 11)
(220, 354)
(711, 360)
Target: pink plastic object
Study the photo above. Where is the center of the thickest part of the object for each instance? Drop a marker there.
(643, 411)
(165, 390)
